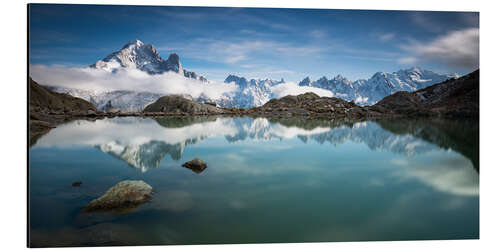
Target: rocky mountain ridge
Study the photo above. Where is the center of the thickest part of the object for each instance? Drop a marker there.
(452, 98)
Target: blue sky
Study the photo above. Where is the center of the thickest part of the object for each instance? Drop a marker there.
(260, 42)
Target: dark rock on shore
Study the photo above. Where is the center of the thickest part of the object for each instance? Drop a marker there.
(196, 165)
(451, 98)
(178, 105)
(124, 197)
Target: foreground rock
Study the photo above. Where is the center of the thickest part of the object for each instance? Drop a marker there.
(124, 197)
(196, 165)
(177, 105)
(451, 98)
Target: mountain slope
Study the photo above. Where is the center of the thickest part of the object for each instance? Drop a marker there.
(42, 99)
(453, 97)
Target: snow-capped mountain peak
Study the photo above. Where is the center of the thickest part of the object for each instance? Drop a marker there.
(134, 42)
(134, 54)
(138, 55)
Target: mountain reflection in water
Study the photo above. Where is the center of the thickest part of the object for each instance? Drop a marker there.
(144, 142)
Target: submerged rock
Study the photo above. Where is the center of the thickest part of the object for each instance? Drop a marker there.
(196, 165)
(76, 183)
(124, 197)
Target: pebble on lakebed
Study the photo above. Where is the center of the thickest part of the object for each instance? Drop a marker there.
(123, 197)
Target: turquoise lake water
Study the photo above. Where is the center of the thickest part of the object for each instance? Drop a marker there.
(267, 180)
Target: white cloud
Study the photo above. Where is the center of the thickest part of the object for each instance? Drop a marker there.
(291, 88)
(426, 20)
(241, 51)
(386, 37)
(407, 60)
(126, 79)
(459, 49)
(318, 34)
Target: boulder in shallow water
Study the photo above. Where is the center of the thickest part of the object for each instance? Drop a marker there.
(76, 184)
(124, 197)
(196, 165)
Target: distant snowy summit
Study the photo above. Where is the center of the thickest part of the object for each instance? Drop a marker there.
(144, 57)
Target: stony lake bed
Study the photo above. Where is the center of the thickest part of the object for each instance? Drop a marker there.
(265, 180)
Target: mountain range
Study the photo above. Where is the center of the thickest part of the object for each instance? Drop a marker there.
(249, 92)
(381, 84)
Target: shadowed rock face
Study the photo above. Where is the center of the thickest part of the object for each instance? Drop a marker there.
(177, 104)
(124, 197)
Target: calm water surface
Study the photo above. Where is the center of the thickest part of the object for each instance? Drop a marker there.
(283, 180)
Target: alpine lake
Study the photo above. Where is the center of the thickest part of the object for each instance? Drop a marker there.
(268, 180)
